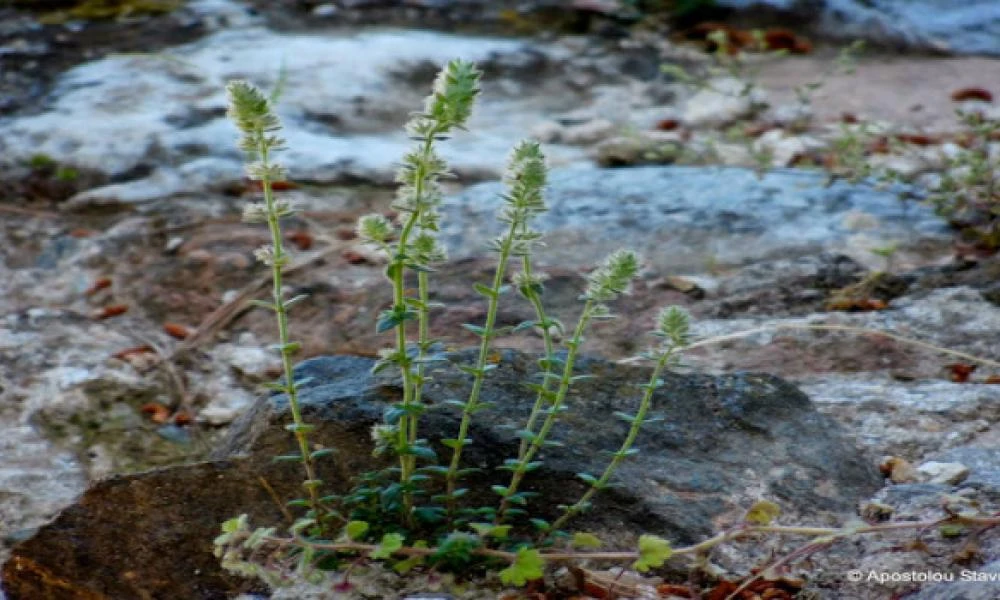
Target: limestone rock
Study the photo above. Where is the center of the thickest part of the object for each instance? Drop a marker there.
(723, 101)
(942, 472)
(681, 218)
(970, 27)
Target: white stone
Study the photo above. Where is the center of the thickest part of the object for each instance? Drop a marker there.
(253, 361)
(587, 133)
(547, 132)
(217, 415)
(783, 147)
(724, 100)
(325, 10)
(342, 111)
(944, 473)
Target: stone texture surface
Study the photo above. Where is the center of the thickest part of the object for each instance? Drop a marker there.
(683, 218)
(970, 27)
(983, 463)
(982, 583)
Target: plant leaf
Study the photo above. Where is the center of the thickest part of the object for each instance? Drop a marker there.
(390, 543)
(763, 512)
(653, 552)
(356, 529)
(527, 567)
(585, 541)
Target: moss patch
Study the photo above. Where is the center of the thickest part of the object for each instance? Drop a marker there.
(95, 10)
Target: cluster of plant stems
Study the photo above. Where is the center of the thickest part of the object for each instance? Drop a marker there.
(412, 514)
(405, 493)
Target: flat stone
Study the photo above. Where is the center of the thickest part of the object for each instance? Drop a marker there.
(683, 218)
(968, 27)
(722, 101)
(158, 128)
(942, 472)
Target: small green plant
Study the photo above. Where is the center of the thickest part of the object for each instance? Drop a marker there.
(732, 63)
(95, 10)
(414, 513)
(968, 194)
(251, 111)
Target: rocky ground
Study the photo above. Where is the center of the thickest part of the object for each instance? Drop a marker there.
(126, 341)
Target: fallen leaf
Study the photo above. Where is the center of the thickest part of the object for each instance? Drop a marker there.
(970, 553)
(667, 124)
(278, 186)
(876, 512)
(763, 512)
(99, 284)
(848, 304)
(994, 379)
(128, 352)
(879, 146)
(918, 139)
(849, 118)
(346, 234)
(735, 38)
(721, 591)
(157, 412)
(355, 258)
(784, 39)
(972, 93)
(898, 470)
(109, 311)
(182, 418)
(802, 46)
(302, 239)
(960, 372)
(177, 331)
(81, 232)
(677, 591)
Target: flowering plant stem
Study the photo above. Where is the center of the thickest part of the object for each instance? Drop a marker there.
(479, 371)
(626, 448)
(556, 402)
(253, 115)
(408, 422)
(532, 293)
(312, 482)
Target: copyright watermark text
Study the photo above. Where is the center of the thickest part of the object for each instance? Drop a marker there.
(857, 575)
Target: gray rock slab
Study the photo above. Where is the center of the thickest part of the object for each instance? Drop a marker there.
(966, 27)
(718, 438)
(156, 125)
(691, 218)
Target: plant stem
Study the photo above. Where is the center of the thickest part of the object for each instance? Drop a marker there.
(846, 329)
(536, 301)
(623, 452)
(279, 258)
(479, 371)
(824, 535)
(408, 426)
(573, 346)
(423, 340)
